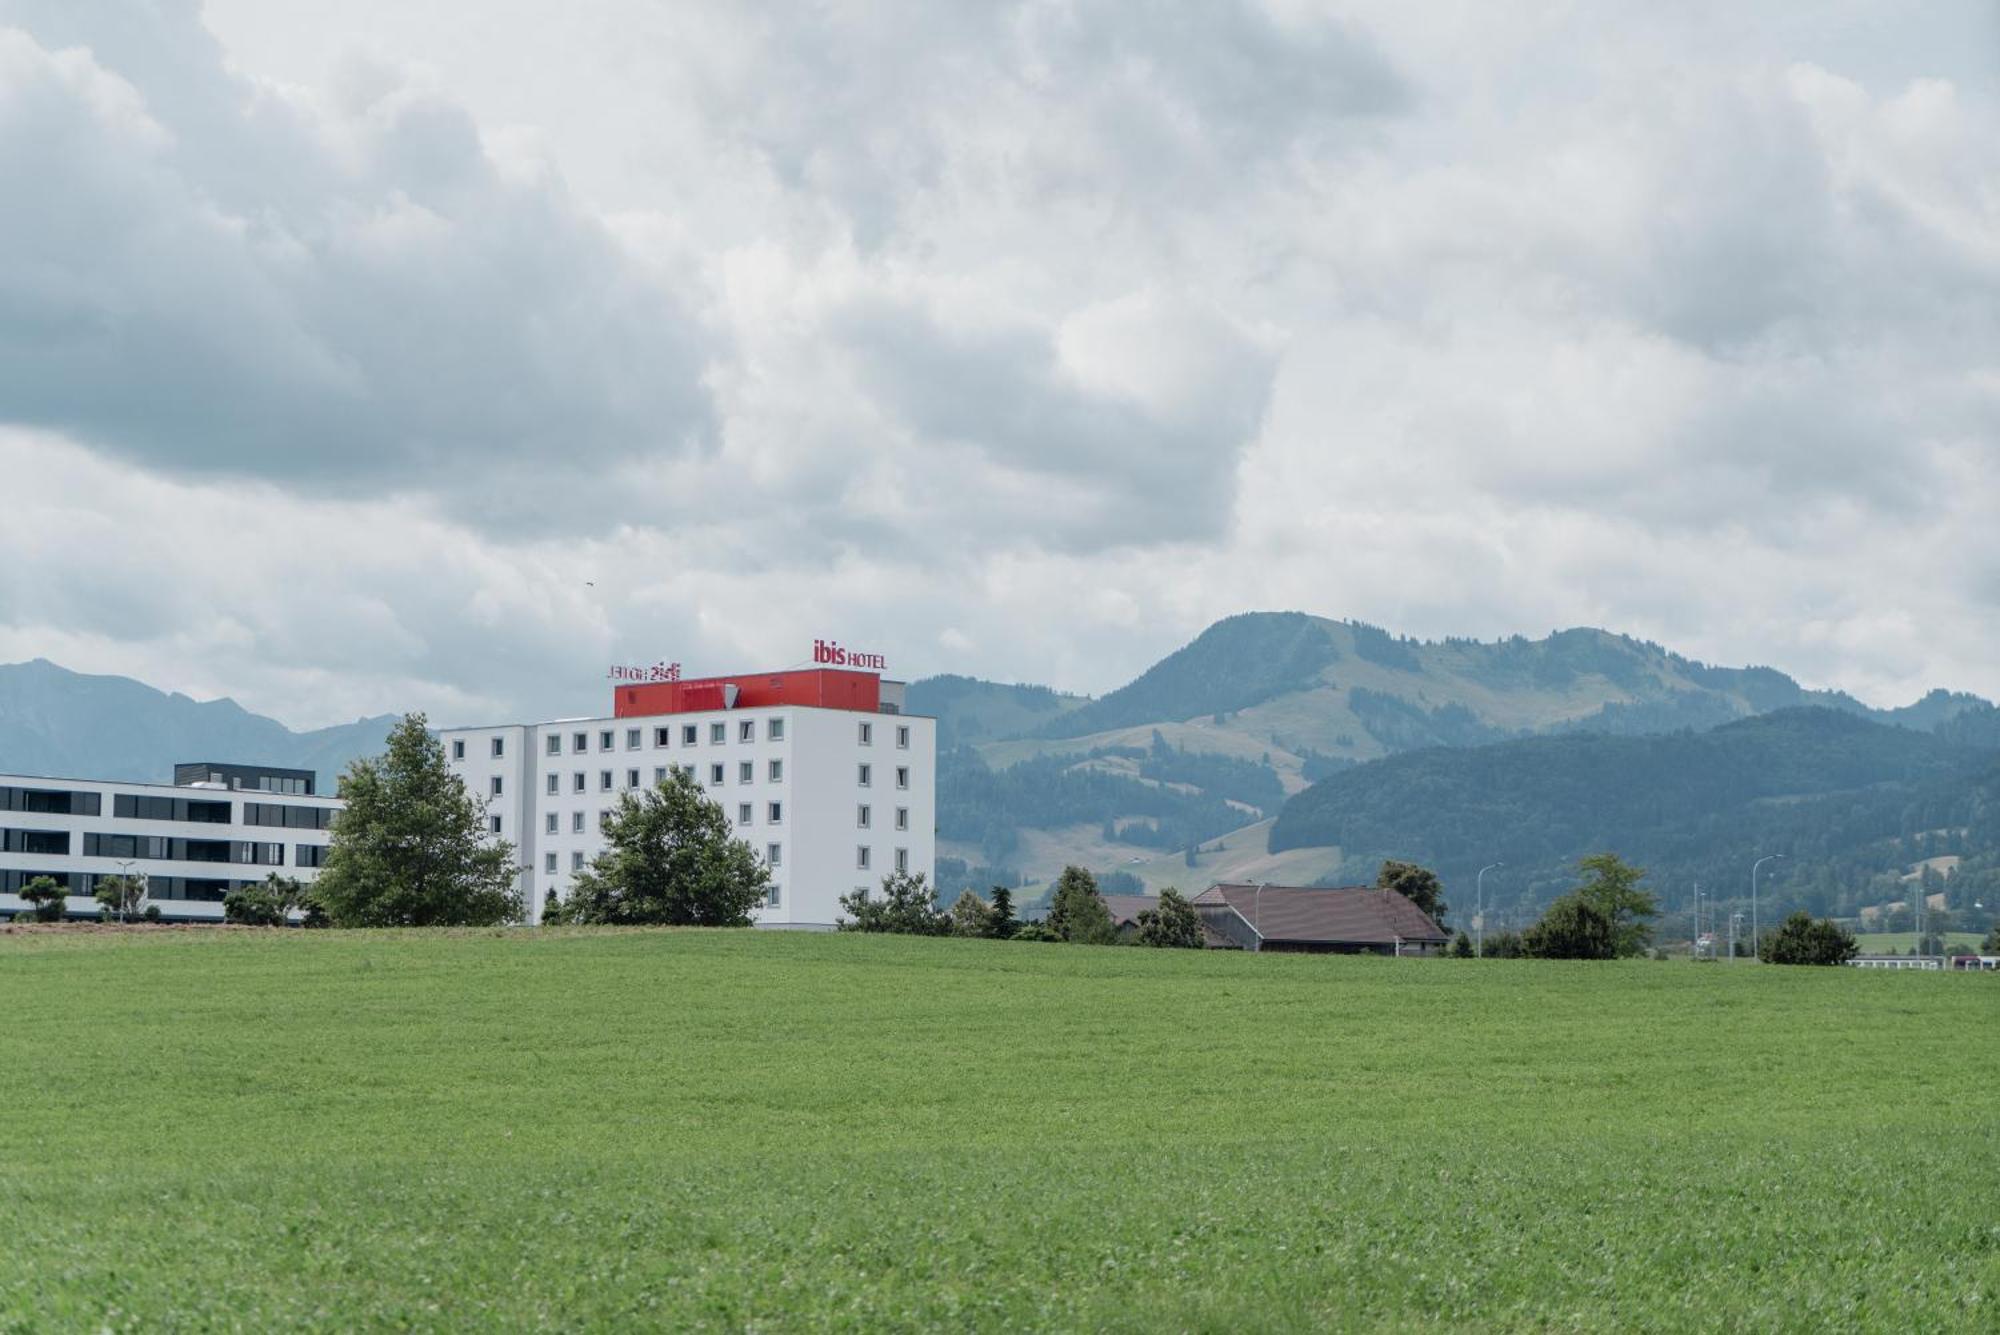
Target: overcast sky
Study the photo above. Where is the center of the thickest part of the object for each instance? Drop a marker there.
(362, 355)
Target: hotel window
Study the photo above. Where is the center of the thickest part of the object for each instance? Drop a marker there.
(902, 776)
(689, 734)
(663, 737)
(902, 736)
(743, 813)
(777, 771)
(579, 742)
(604, 781)
(746, 771)
(496, 785)
(552, 824)
(773, 898)
(458, 748)
(861, 817)
(581, 784)
(775, 730)
(604, 820)
(718, 733)
(499, 747)
(554, 784)
(902, 818)
(864, 775)
(631, 739)
(554, 744)
(868, 734)
(576, 822)
(774, 855)
(715, 776)
(659, 775)
(576, 860)
(605, 739)
(746, 731)
(774, 814)
(631, 778)
(861, 856)
(549, 863)
(493, 824)
(902, 859)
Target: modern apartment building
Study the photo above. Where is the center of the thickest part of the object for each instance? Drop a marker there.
(819, 771)
(216, 827)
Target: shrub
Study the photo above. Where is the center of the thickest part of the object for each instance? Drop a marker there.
(1801, 940)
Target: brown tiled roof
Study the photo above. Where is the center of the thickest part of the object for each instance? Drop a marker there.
(1354, 914)
(1125, 909)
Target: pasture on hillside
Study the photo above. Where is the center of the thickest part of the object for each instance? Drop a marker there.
(261, 1129)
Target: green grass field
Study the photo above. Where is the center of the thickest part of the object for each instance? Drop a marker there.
(1874, 943)
(252, 1130)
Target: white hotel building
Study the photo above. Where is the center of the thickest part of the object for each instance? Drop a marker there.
(215, 828)
(819, 771)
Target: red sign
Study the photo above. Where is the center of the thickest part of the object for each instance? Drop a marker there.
(830, 653)
(657, 672)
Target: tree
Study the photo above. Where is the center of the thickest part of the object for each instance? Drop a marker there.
(1076, 911)
(905, 908)
(1991, 946)
(1461, 946)
(121, 896)
(1801, 940)
(970, 916)
(1419, 885)
(411, 848)
(1000, 921)
(1503, 946)
(49, 896)
(1612, 888)
(268, 903)
(1572, 928)
(669, 859)
(1034, 931)
(1173, 924)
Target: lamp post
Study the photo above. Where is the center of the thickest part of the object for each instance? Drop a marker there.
(1753, 898)
(1479, 909)
(1735, 926)
(1694, 946)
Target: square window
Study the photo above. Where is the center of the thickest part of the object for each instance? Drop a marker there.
(903, 736)
(458, 748)
(554, 744)
(659, 775)
(746, 771)
(743, 813)
(718, 733)
(715, 776)
(861, 856)
(549, 864)
(663, 737)
(902, 859)
(777, 771)
(631, 739)
(554, 784)
(499, 747)
(902, 818)
(861, 817)
(579, 785)
(552, 824)
(579, 742)
(902, 776)
(576, 860)
(868, 734)
(604, 781)
(576, 822)
(689, 735)
(774, 855)
(493, 824)
(864, 775)
(498, 784)
(631, 778)
(772, 897)
(775, 813)
(605, 739)
(746, 731)
(775, 730)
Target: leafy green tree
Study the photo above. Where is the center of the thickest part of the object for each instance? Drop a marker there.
(905, 907)
(1077, 913)
(152, 913)
(1991, 946)
(1611, 886)
(268, 903)
(1000, 920)
(1572, 928)
(50, 898)
(1173, 924)
(1801, 940)
(1034, 931)
(411, 848)
(1461, 947)
(669, 859)
(1419, 885)
(970, 916)
(1503, 946)
(121, 896)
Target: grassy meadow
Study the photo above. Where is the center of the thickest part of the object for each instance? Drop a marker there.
(249, 1130)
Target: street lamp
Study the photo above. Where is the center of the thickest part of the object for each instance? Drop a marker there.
(1479, 909)
(1694, 946)
(1753, 898)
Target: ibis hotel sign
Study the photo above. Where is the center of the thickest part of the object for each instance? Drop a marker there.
(830, 654)
(641, 675)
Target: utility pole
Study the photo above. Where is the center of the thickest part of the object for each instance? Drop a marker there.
(1694, 946)
(1735, 925)
(1479, 911)
(1753, 897)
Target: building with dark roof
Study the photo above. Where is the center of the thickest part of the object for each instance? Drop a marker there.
(1349, 920)
(1125, 911)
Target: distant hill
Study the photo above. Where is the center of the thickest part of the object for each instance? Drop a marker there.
(1850, 802)
(969, 711)
(75, 725)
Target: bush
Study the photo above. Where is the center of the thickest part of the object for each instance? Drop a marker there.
(50, 898)
(905, 908)
(268, 903)
(1801, 940)
(1571, 929)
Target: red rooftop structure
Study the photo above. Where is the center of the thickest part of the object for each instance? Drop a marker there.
(816, 688)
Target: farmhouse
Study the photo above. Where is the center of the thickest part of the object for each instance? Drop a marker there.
(1345, 920)
(1125, 911)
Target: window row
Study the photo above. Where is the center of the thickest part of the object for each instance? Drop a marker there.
(161, 848)
(864, 858)
(663, 736)
(45, 843)
(607, 780)
(865, 734)
(199, 889)
(51, 801)
(864, 817)
(188, 810)
(288, 816)
(864, 774)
